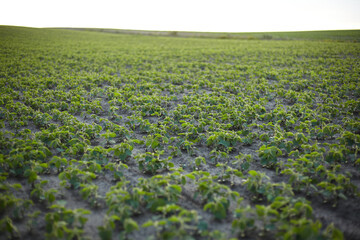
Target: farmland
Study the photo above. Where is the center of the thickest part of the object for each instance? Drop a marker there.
(339, 35)
(120, 136)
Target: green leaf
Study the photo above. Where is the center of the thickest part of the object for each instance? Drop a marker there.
(105, 233)
(154, 144)
(174, 219)
(202, 226)
(177, 188)
(224, 143)
(148, 224)
(191, 176)
(253, 173)
(17, 186)
(342, 196)
(130, 225)
(51, 197)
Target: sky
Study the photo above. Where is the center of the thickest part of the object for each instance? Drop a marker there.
(185, 15)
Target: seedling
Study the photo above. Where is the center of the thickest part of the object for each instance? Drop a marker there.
(218, 207)
(228, 173)
(243, 162)
(109, 137)
(219, 156)
(98, 154)
(175, 151)
(8, 228)
(244, 221)
(65, 223)
(39, 194)
(117, 169)
(223, 140)
(89, 192)
(196, 163)
(59, 163)
(75, 177)
(176, 223)
(123, 151)
(151, 162)
(155, 141)
(269, 155)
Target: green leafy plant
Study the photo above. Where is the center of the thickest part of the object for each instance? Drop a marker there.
(40, 194)
(228, 173)
(260, 186)
(158, 191)
(155, 141)
(122, 205)
(106, 230)
(32, 221)
(242, 162)
(123, 151)
(109, 136)
(117, 169)
(218, 207)
(14, 207)
(59, 163)
(175, 223)
(97, 153)
(336, 186)
(75, 177)
(89, 192)
(196, 163)
(244, 221)
(223, 140)
(8, 228)
(351, 141)
(269, 155)
(215, 196)
(151, 162)
(65, 223)
(218, 156)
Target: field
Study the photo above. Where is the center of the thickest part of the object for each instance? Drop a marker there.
(124, 136)
(339, 35)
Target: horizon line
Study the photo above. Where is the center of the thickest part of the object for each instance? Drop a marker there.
(190, 31)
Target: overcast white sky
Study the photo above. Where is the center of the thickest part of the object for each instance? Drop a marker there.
(185, 15)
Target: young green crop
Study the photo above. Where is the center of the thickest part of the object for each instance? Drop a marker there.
(170, 131)
(151, 162)
(65, 223)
